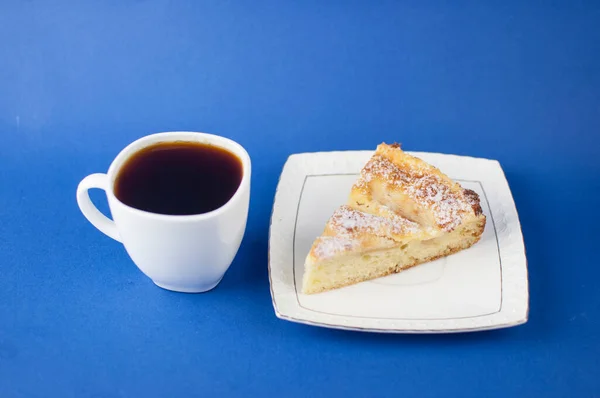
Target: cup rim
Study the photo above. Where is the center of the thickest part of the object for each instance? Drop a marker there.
(180, 136)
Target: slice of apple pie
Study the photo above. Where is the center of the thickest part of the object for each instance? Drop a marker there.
(401, 212)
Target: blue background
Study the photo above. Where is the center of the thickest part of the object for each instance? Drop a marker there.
(79, 80)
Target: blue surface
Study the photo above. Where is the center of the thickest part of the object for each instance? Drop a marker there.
(80, 80)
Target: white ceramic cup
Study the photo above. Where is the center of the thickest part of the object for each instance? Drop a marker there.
(182, 253)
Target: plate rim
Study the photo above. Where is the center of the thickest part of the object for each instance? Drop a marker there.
(516, 320)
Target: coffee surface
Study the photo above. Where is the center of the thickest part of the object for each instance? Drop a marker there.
(179, 178)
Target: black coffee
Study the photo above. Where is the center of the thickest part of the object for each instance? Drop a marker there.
(179, 178)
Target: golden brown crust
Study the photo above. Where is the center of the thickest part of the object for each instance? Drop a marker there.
(473, 200)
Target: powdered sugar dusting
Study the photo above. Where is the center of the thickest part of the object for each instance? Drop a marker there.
(448, 207)
(328, 246)
(350, 221)
(377, 167)
(420, 184)
(352, 226)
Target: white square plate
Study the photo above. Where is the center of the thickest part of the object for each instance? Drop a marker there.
(484, 287)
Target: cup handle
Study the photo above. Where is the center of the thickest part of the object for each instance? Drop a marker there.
(93, 215)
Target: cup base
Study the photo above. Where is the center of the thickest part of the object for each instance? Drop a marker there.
(188, 289)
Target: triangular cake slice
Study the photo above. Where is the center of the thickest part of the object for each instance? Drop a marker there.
(401, 212)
